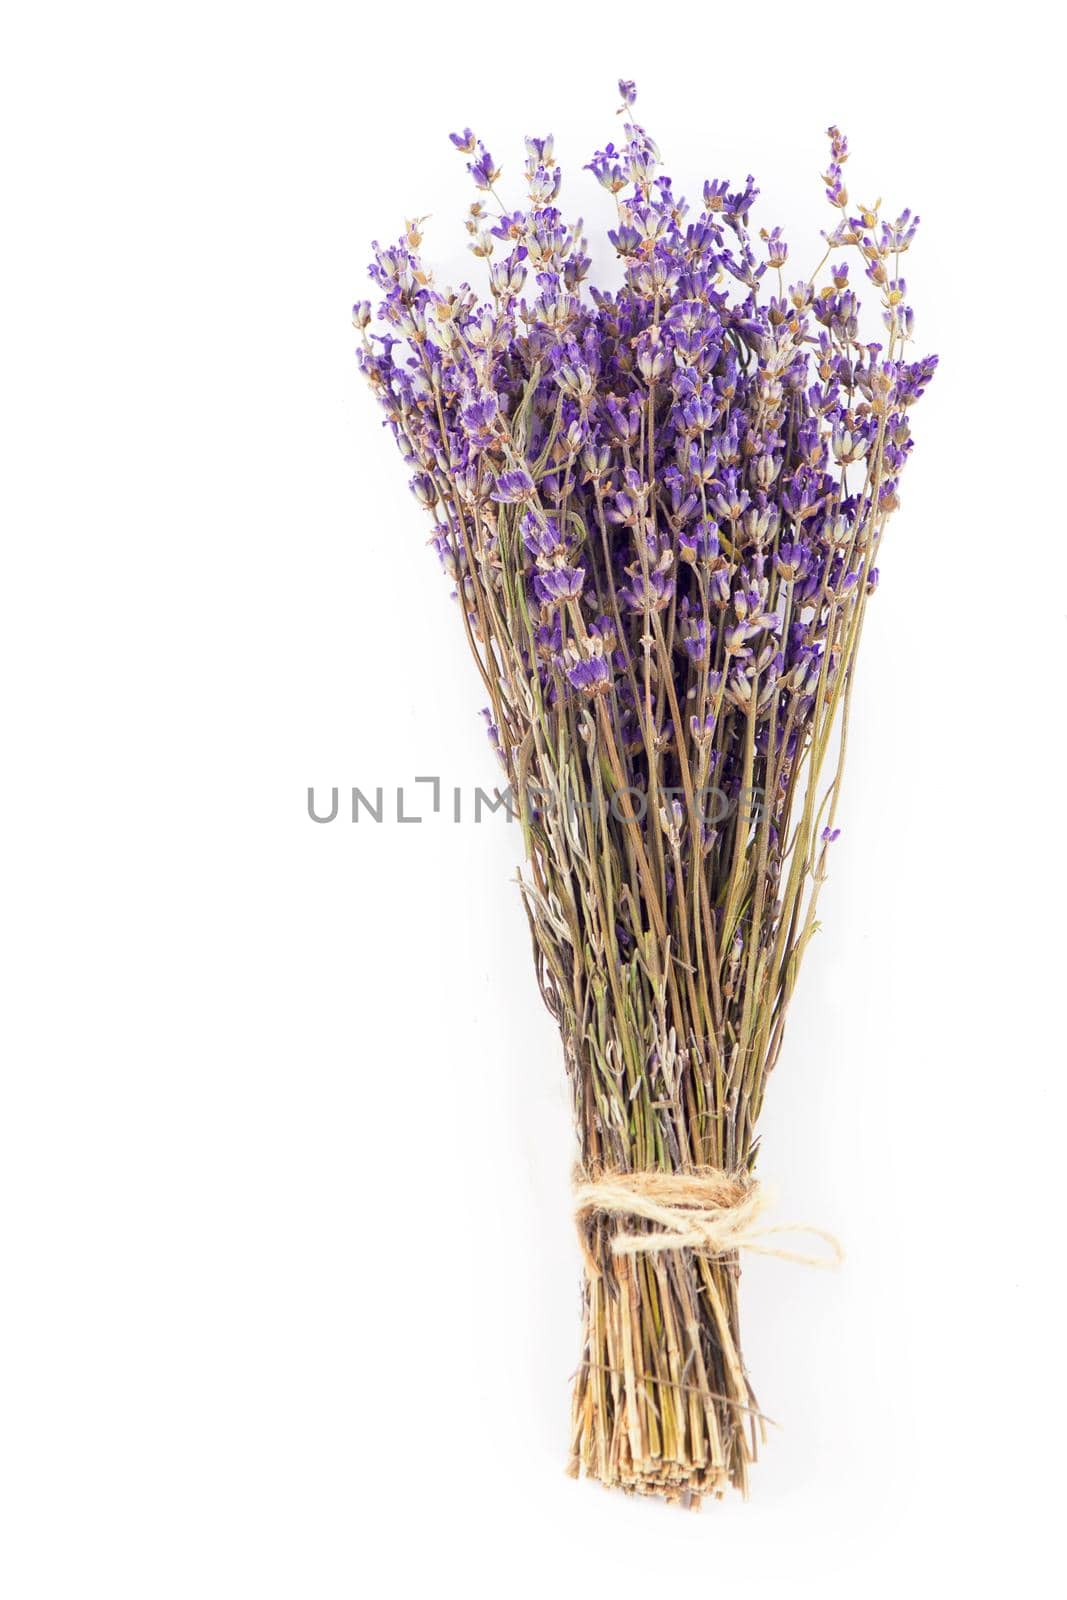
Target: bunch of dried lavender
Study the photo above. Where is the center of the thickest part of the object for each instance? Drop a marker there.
(661, 507)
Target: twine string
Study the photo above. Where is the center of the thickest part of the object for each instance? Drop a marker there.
(706, 1209)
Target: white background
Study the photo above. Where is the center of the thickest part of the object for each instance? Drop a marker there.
(289, 1284)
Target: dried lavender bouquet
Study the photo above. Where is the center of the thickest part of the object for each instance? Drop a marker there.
(661, 506)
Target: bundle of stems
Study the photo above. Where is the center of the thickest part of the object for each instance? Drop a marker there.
(661, 506)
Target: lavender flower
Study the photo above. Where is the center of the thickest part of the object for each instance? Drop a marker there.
(512, 487)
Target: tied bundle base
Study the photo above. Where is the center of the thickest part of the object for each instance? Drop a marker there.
(662, 1405)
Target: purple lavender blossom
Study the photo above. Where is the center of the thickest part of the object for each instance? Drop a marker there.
(687, 473)
(513, 486)
(559, 583)
(592, 676)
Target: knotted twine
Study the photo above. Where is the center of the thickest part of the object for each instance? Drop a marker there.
(706, 1209)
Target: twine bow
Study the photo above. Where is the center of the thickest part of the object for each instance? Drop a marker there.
(706, 1209)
